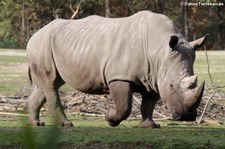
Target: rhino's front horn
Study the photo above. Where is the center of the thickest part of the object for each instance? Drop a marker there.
(194, 96)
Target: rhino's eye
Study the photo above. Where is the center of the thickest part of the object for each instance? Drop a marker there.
(171, 85)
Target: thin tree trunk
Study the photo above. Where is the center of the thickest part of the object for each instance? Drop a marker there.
(23, 19)
(220, 28)
(108, 9)
(185, 17)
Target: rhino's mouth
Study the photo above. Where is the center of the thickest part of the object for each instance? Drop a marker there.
(192, 98)
(185, 117)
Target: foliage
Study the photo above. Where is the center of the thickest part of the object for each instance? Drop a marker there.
(21, 18)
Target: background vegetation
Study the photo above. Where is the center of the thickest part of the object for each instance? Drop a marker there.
(19, 19)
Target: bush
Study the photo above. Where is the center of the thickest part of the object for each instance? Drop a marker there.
(10, 42)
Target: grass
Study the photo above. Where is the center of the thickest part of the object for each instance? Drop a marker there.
(91, 132)
(217, 67)
(95, 132)
(13, 74)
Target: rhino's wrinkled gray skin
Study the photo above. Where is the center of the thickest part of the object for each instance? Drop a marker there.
(142, 53)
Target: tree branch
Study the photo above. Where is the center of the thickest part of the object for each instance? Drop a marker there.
(75, 12)
(214, 89)
(209, 73)
(206, 105)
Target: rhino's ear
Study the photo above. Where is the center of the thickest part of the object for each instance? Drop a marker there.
(199, 42)
(173, 41)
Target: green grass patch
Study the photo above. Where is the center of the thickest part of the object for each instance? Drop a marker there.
(216, 65)
(13, 74)
(89, 132)
(11, 60)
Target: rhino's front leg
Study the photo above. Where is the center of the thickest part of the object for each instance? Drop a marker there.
(147, 107)
(121, 92)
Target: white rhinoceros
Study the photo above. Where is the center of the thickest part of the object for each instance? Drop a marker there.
(142, 53)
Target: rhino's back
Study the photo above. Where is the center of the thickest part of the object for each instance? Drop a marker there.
(91, 52)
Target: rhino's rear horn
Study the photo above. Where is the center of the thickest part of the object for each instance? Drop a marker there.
(189, 82)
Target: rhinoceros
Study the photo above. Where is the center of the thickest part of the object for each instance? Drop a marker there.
(143, 53)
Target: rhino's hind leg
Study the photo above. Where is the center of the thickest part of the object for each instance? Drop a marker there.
(55, 107)
(35, 102)
(49, 81)
(147, 107)
(121, 92)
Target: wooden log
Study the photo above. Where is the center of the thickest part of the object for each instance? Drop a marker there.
(12, 101)
(14, 114)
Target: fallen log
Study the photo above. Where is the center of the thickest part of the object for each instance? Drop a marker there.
(87, 114)
(14, 114)
(13, 99)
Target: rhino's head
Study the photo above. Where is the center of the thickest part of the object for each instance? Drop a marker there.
(178, 85)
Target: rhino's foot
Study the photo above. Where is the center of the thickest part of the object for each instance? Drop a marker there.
(114, 123)
(111, 118)
(67, 124)
(148, 124)
(36, 123)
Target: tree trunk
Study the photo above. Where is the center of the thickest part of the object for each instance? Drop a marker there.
(23, 19)
(108, 9)
(220, 36)
(185, 18)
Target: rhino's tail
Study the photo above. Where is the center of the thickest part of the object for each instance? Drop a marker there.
(29, 75)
